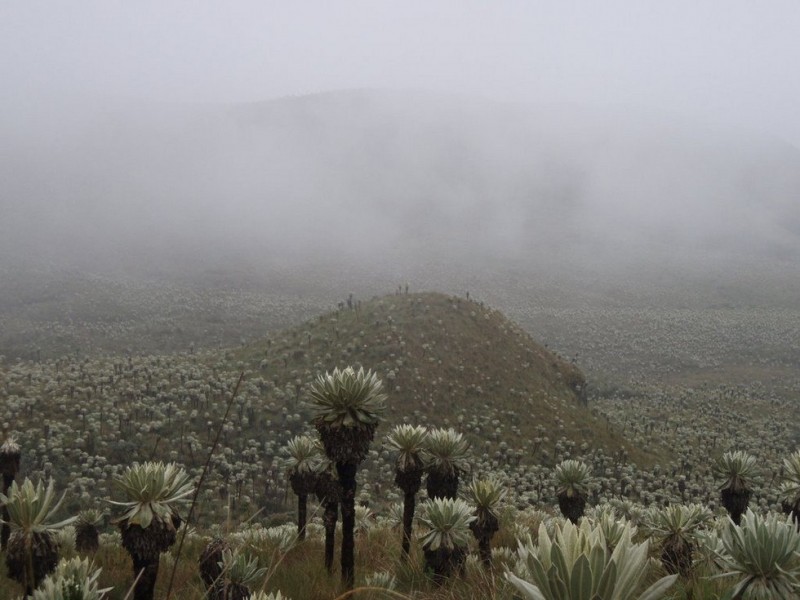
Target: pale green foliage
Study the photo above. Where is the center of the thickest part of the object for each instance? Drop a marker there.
(280, 538)
(446, 451)
(381, 579)
(790, 488)
(764, 554)
(613, 527)
(409, 441)
(32, 508)
(74, 579)
(486, 495)
(576, 564)
(365, 518)
(154, 491)
(573, 477)
(241, 568)
(259, 595)
(735, 469)
(348, 397)
(65, 538)
(678, 521)
(10, 446)
(448, 522)
(91, 516)
(304, 453)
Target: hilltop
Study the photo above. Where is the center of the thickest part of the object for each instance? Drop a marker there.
(445, 360)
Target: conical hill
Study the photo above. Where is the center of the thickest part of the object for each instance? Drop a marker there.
(444, 360)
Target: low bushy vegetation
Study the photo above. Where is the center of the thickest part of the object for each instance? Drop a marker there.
(508, 434)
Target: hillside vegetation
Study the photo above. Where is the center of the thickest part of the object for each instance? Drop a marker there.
(446, 360)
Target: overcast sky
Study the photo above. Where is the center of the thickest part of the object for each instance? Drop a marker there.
(728, 61)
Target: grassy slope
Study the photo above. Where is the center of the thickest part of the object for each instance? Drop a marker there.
(445, 360)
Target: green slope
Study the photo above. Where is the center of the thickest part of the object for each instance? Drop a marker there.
(445, 361)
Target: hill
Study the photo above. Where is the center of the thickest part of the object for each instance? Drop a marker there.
(446, 361)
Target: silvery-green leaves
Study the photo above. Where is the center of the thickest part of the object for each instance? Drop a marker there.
(678, 520)
(446, 451)
(763, 553)
(576, 564)
(409, 441)
(155, 490)
(573, 477)
(735, 469)
(31, 507)
(261, 595)
(241, 568)
(10, 447)
(74, 579)
(304, 454)
(486, 495)
(348, 397)
(91, 516)
(448, 523)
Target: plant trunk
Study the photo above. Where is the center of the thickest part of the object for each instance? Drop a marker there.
(5, 531)
(572, 506)
(329, 519)
(484, 529)
(485, 550)
(735, 502)
(146, 585)
(302, 510)
(409, 506)
(444, 562)
(442, 485)
(676, 556)
(347, 478)
(87, 539)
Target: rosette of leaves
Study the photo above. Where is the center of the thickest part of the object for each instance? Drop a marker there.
(573, 479)
(575, 563)
(735, 470)
(763, 553)
(445, 543)
(381, 579)
(32, 551)
(87, 535)
(347, 404)
(74, 579)
(261, 595)
(790, 487)
(155, 492)
(446, 459)
(240, 572)
(676, 526)
(302, 466)
(409, 442)
(613, 526)
(486, 495)
(10, 454)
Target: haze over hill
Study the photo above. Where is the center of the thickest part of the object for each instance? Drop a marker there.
(388, 178)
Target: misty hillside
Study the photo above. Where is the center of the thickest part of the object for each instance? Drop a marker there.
(389, 176)
(445, 360)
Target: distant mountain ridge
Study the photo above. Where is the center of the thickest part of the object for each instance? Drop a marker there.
(401, 174)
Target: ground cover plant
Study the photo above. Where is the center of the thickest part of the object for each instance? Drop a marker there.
(104, 413)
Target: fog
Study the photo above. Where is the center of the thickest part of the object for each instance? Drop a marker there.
(577, 136)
